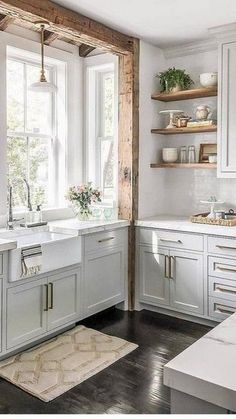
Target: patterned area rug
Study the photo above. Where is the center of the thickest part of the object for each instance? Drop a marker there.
(54, 367)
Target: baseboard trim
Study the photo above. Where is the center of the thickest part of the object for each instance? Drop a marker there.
(178, 315)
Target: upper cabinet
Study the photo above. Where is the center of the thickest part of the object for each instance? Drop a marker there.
(227, 111)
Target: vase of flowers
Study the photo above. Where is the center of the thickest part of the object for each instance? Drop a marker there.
(82, 197)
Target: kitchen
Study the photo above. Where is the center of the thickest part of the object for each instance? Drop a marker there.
(117, 212)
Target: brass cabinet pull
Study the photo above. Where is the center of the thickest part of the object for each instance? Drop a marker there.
(225, 289)
(225, 269)
(224, 310)
(106, 239)
(171, 241)
(171, 274)
(52, 296)
(46, 308)
(225, 247)
(166, 259)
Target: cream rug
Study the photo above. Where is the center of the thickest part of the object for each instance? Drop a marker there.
(54, 367)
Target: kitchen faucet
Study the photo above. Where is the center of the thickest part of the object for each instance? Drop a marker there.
(28, 196)
(10, 222)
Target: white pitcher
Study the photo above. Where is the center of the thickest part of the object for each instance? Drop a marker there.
(203, 112)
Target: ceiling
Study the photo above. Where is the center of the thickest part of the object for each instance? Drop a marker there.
(164, 23)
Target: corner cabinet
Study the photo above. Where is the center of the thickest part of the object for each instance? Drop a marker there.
(227, 110)
(170, 271)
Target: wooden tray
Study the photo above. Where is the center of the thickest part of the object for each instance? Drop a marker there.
(202, 219)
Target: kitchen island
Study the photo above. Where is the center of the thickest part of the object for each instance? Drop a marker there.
(202, 378)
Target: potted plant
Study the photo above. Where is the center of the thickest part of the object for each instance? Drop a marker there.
(174, 80)
(82, 197)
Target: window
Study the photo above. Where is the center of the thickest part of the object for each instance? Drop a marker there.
(30, 133)
(102, 156)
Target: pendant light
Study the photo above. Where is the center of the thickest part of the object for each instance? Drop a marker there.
(42, 85)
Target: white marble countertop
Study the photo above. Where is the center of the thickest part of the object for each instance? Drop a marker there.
(177, 223)
(207, 369)
(6, 244)
(68, 226)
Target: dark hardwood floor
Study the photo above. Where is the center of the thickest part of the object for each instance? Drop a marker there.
(133, 384)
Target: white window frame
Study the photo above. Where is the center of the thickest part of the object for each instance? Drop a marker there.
(15, 55)
(95, 68)
(70, 106)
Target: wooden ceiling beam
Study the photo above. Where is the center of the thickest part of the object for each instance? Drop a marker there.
(69, 24)
(84, 50)
(5, 21)
(49, 37)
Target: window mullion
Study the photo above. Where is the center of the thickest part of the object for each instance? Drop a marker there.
(25, 98)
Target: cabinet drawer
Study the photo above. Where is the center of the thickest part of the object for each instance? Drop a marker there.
(220, 309)
(104, 239)
(172, 239)
(222, 288)
(222, 267)
(222, 246)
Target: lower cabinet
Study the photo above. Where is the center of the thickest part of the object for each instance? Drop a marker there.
(104, 279)
(154, 283)
(40, 306)
(171, 278)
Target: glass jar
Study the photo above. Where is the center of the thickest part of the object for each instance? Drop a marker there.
(191, 154)
(183, 154)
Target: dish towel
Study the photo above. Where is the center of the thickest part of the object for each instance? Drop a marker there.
(31, 260)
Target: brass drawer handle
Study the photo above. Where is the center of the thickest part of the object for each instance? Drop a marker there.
(171, 241)
(46, 308)
(225, 247)
(224, 289)
(225, 310)
(106, 239)
(225, 269)
(52, 296)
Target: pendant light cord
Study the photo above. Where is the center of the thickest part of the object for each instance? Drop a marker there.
(43, 77)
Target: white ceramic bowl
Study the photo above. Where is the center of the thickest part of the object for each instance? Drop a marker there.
(170, 155)
(208, 79)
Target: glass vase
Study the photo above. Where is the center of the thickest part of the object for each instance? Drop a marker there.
(82, 213)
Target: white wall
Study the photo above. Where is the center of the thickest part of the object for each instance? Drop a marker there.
(151, 182)
(175, 191)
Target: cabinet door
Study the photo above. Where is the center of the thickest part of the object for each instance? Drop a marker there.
(227, 110)
(104, 279)
(153, 271)
(26, 318)
(64, 298)
(186, 283)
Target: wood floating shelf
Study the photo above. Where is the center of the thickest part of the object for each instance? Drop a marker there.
(186, 94)
(183, 165)
(190, 130)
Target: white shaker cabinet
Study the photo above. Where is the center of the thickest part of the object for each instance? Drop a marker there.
(105, 270)
(186, 281)
(154, 284)
(26, 312)
(227, 110)
(41, 306)
(64, 298)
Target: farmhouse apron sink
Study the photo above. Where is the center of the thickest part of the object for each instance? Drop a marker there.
(58, 250)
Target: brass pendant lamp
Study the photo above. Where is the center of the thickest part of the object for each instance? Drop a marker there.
(42, 85)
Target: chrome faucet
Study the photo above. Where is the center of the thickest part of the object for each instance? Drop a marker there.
(30, 208)
(10, 213)
(11, 220)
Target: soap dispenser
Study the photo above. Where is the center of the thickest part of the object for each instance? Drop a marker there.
(38, 214)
